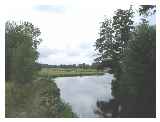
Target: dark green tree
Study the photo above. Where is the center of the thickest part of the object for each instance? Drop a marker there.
(21, 41)
(114, 37)
(133, 61)
(137, 84)
(147, 10)
(138, 81)
(104, 44)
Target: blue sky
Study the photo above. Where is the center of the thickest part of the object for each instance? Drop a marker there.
(50, 8)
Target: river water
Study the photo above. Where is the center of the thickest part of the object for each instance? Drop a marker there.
(83, 92)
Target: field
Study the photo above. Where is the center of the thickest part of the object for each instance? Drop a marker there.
(66, 72)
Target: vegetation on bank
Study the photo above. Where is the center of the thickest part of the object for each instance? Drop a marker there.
(41, 98)
(66, 72)
(130, 51)
(25, 95)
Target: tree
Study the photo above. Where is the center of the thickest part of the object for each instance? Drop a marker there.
(114, 37)
(133, 61)
(123, 28)
(137, 85)
(21, 43)
(104, 43)
(147, 10)
(138, 81)
(136, 89)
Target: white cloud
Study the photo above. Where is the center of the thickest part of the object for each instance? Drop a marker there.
(69, 27)
(46, 52)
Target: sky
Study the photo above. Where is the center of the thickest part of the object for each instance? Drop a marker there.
(69, 28)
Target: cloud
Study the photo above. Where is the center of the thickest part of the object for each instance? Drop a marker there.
(85, 45)
(50, 8)
(46, 52)
(73, 53)
(69, 28)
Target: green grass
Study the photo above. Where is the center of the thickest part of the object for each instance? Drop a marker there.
(41, 98)
(66, 72)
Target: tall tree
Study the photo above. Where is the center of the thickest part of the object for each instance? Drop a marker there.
(21, 43)
(133, 59)
(138, 80)
(123, 28)
(104, 43)
(114, 37)
(137, 85)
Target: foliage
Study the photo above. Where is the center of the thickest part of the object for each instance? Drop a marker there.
(131, 52)
(147, 10)
(25, 95)
(41, 100)
(21, 41)
(139, 69)
(114, 37)
(104, 43)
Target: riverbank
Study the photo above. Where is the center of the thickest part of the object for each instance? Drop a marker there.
(40, 99)
(67, 72)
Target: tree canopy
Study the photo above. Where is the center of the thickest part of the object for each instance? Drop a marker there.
(131, 52)
(21, 42)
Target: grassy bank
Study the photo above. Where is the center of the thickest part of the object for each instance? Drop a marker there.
(66, 72)
(38, 99)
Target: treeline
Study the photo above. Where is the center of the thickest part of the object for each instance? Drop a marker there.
(83, 65)
(130, 51)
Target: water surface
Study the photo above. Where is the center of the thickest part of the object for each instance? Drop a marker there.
(83, 92)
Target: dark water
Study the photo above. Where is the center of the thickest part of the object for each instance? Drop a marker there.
(82, 93)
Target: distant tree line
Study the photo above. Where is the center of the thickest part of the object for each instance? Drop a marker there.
(130, 51)
(83, 65)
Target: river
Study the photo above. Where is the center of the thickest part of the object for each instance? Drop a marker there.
(83, 92)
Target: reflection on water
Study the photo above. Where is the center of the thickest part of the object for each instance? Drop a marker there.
(82, 93)
(111, 108)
